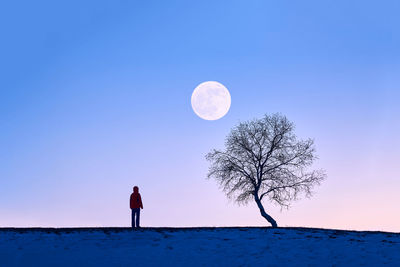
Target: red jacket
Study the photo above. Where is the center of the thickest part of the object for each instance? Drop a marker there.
(136, 199)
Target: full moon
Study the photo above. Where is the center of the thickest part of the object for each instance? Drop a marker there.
(211, 100)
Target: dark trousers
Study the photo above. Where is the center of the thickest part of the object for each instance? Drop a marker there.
(135, 212)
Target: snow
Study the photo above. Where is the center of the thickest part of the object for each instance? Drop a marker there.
(238, 246)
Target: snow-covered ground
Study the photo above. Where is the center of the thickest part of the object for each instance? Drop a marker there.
(197, 247)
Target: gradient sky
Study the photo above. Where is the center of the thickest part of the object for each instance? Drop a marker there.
(95, 98)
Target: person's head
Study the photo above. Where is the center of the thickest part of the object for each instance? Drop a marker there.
(135, 189)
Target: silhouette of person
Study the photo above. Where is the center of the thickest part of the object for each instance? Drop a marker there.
(136, 204)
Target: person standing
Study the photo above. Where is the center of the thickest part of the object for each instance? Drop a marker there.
(136, 204)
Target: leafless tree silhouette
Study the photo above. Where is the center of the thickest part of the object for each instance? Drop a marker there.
(263, 159)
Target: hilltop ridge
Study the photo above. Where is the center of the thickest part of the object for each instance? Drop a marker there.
(197, 246)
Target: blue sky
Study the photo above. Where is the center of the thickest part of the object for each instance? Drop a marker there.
(95, 98)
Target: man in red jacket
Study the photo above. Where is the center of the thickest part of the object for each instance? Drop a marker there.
(136, 204)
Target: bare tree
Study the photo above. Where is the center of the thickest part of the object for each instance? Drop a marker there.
(264, 159)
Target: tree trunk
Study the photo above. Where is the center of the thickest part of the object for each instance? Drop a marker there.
(264, 214)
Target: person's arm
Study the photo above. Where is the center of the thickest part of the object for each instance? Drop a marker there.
(130, 202)
(140, 199)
